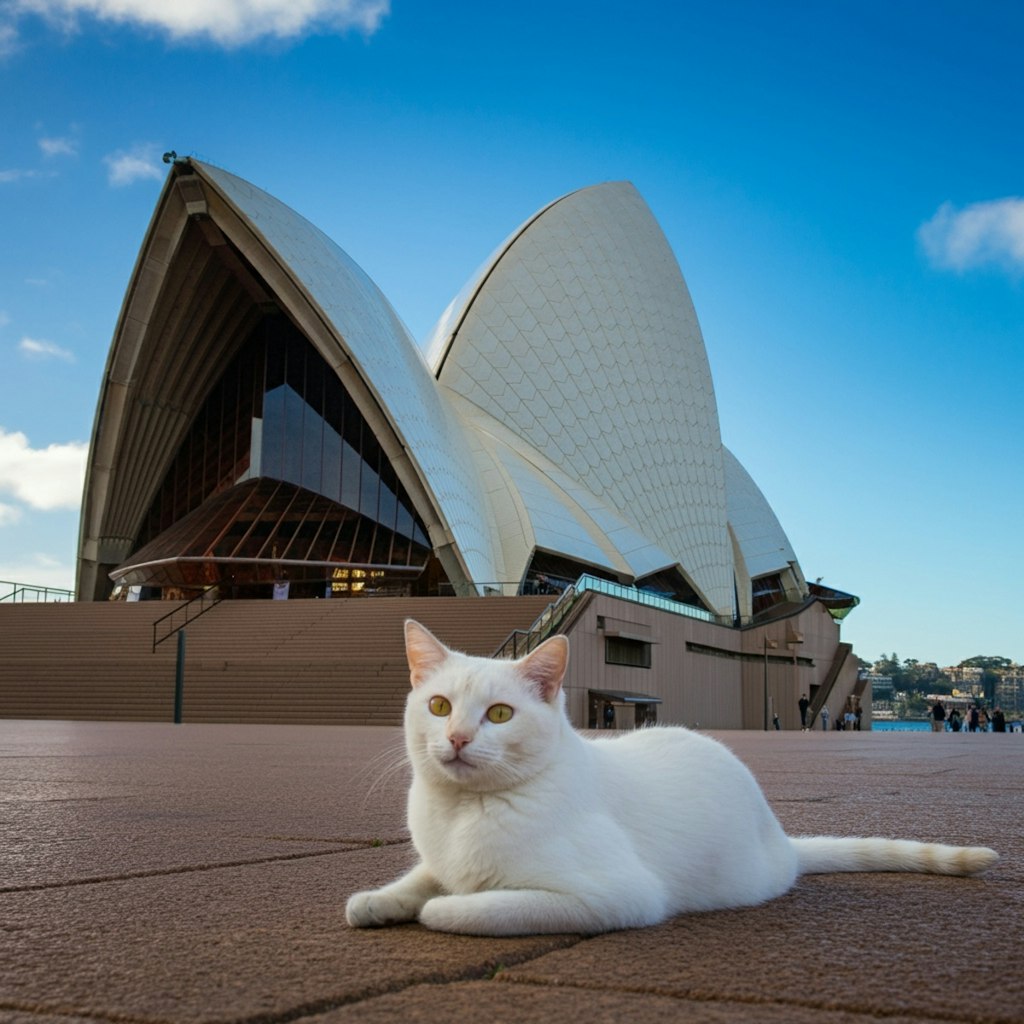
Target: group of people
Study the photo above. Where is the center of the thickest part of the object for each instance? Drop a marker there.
(849, 719)
(975, 719)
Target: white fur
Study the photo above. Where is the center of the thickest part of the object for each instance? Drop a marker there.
(535, 828)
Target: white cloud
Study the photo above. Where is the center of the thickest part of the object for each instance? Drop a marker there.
(16, 174)
(127, 166)
(4, 318)
(58, 147)
(43, 478)
(9, 514)
(8, 39)
(36, 349)
(227, 22)
(990, 233)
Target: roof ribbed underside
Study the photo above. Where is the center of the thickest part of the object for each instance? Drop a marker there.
(581, 340)
(203, 315)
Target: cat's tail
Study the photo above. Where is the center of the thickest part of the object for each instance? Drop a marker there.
(824, 854)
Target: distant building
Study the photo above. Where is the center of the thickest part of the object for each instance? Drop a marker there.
(881, 686)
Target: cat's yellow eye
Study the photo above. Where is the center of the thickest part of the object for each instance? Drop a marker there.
(499, 713)
(440, 706)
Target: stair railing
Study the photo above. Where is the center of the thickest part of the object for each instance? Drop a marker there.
(521, 641)
(167, 625)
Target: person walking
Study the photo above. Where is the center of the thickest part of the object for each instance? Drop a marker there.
(938, 717)
(804, 704)
(824, 718)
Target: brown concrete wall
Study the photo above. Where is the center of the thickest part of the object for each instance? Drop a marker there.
(726, 690)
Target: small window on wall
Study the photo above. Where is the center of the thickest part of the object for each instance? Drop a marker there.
(632, 653)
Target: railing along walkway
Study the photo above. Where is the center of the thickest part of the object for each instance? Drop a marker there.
(520, 642)
(26, 592)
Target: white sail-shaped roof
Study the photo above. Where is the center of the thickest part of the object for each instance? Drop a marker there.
(763, 542)
(580, 339)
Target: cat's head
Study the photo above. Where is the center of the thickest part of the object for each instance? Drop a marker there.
(482, 723)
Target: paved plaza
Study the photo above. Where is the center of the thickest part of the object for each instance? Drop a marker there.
(161, 874)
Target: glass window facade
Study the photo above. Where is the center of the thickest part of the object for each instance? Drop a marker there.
(766, 592)
(279, 468)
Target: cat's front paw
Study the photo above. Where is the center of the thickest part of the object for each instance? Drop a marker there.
(480, 913)
(442, 914)
(376, 908)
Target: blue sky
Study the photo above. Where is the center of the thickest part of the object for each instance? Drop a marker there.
(841, 184)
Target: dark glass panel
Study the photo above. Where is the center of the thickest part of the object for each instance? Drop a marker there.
(351, 464)
(362, 541)
(404, 524)
(274, 356)
(344, 545)
(766, 591)
(388, 511)
(330, 483)
(312, 451)
(272, 462)
(400, 549)
(316, 381)
(670, 583)
(314, 427)
(294, 415)
(369, 492)
(296, 349)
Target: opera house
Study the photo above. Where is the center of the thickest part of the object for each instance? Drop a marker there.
(266, 422)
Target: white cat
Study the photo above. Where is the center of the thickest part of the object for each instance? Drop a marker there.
(523, 825)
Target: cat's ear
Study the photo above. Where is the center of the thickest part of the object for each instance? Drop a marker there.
(545, 667)
(423, 650)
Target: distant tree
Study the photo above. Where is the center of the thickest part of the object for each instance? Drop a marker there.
(887, 665)
(912, 676)
(986, 661)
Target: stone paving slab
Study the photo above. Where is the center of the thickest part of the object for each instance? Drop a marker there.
(528, 1004)
(836, 943)
(98, 801)
(265, 941)
(177, 933)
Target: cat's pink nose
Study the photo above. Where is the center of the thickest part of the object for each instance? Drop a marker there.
(458, 741)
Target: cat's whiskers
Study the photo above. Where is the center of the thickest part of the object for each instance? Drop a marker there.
(391, 763)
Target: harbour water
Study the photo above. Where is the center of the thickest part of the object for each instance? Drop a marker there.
(900, 725)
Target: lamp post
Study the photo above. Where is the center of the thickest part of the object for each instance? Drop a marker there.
(768, 645)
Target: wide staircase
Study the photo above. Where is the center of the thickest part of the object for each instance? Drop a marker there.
(322, 662)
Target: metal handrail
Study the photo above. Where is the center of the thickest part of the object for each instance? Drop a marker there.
(204, 602)
(21, 592)
(522, 641)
